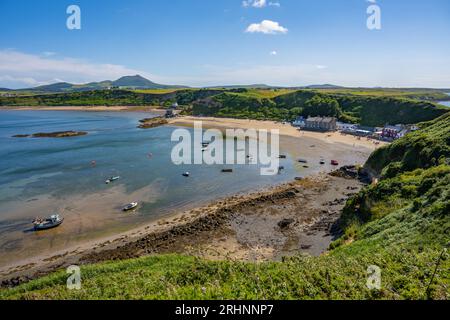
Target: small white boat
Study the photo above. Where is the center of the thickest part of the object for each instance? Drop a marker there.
(48, 223)
(112, 179)
(130, 206)
(186, 174)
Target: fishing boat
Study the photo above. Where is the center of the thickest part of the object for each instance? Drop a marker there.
(48, 223)
(112, 179)
(130, 206)
(227, 170)
(186, 174)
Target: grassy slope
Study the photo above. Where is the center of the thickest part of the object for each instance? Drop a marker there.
(371, 108)
(402, 225)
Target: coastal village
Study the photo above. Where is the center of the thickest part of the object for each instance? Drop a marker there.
(388, 133)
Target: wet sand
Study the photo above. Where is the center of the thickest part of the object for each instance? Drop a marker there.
(289, 219)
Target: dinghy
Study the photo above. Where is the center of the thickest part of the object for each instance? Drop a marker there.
(48, 223)
(130, 206)
(112, 179)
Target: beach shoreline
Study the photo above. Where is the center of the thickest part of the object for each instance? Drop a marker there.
(284, 129)
(293, 140)
(219, 230)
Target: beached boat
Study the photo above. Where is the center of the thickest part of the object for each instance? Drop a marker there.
(112, 179)
(130, 206)
(334, 163)
(322, 161)
(49, 223)
(302, 160)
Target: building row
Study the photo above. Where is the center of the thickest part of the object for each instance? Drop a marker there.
(326, 124)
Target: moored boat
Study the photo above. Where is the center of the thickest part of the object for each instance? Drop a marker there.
(48, 223)
(130, 206)
(112, 179)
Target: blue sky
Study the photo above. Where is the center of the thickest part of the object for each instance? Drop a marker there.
(207, 42)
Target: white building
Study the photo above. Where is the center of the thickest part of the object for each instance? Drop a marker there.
(342, 126)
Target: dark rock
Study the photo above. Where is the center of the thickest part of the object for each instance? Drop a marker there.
(285, 223)
(61, 134)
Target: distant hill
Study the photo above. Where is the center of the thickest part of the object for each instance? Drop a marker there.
(244, 86)
(137, 81)
(323, 86)
(132, 82)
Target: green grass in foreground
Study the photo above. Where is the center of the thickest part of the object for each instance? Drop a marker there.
(405, 274)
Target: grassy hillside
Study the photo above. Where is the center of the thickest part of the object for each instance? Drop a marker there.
(415, 94)
(422, 149)
(401, 225)
(267, 104)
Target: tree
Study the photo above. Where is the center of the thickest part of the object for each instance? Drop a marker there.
(319, 106)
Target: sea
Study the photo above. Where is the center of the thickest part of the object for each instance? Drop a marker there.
(42, 176)
(445, 103)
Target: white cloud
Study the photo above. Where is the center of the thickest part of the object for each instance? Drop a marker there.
(273, 53)
(254, 3)
(266, 27)
(259, 4)
(319, 66)
(19, 69)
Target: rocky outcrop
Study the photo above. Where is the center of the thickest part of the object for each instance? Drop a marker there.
(61, 134)
(152, 123)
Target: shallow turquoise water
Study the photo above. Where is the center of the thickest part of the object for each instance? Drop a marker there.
(54, 172)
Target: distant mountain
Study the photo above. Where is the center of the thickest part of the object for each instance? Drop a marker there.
(131, 82)
(55, 87)
(136, 82)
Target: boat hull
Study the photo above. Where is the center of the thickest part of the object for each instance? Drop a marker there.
(48, 226)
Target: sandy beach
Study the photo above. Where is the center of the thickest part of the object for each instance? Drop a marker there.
(285, 130)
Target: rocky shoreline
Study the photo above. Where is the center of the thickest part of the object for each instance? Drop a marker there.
(149, 123)
(294, 218)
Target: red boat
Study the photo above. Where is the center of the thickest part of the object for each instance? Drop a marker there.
(334, 163)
